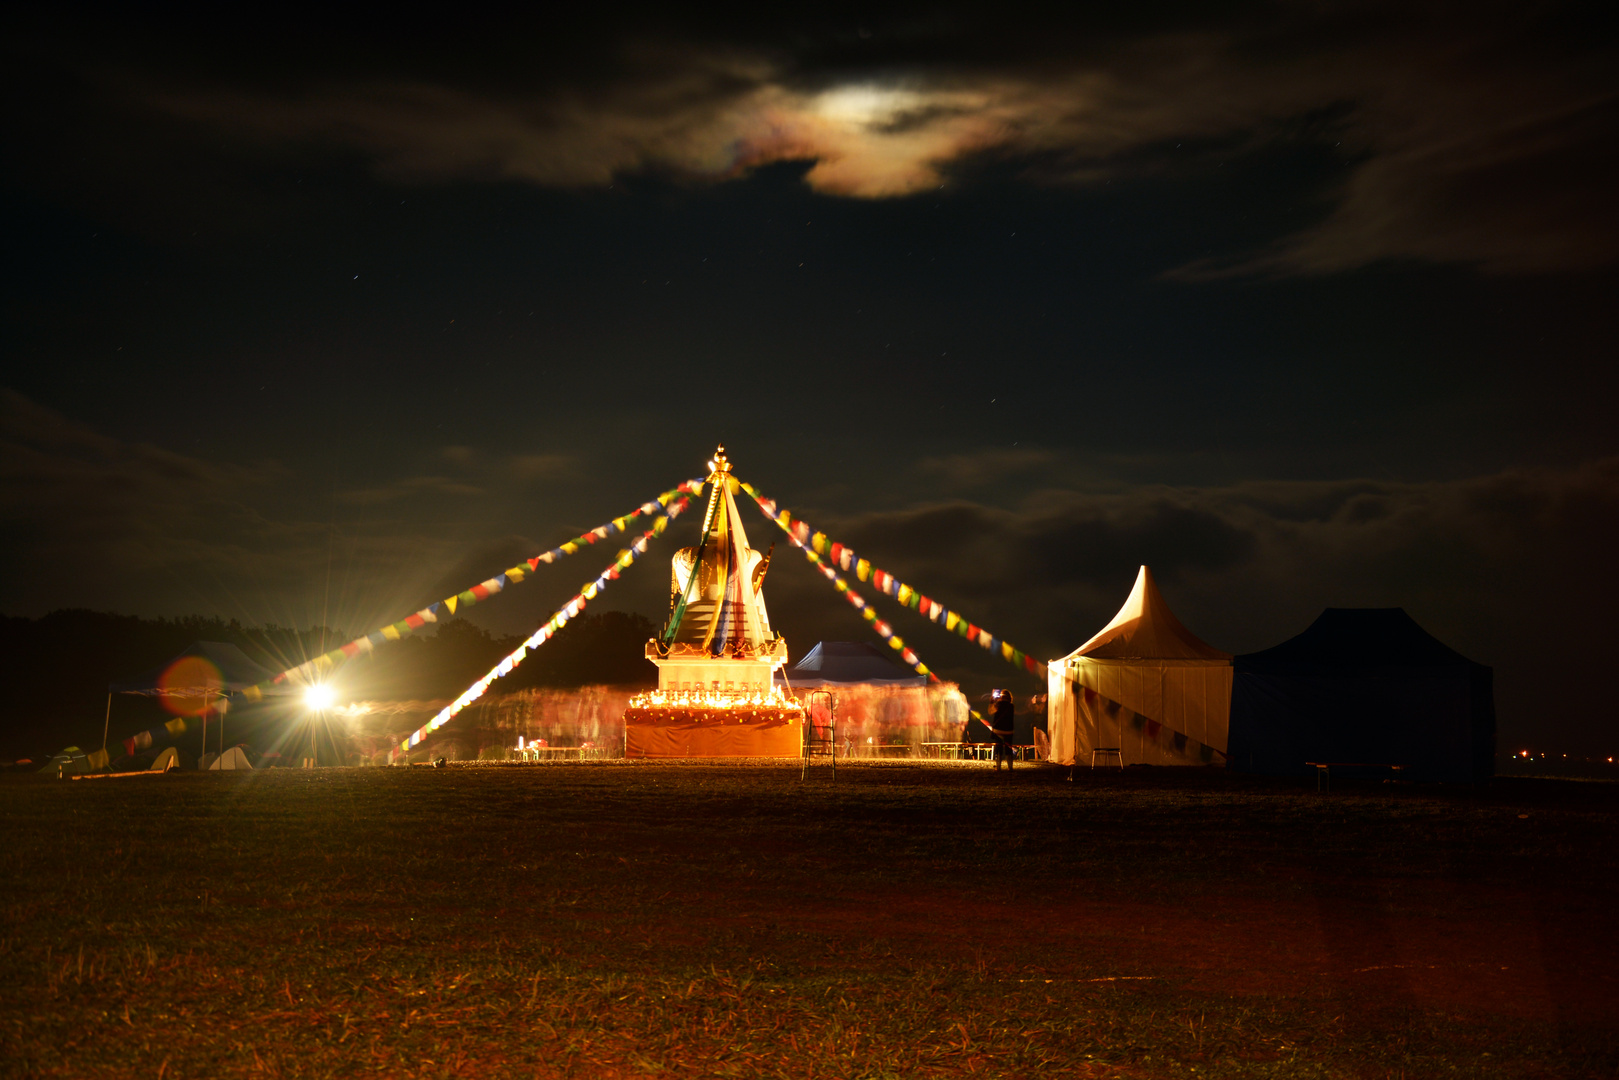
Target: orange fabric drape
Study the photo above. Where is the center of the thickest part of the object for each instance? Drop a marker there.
(714, 738)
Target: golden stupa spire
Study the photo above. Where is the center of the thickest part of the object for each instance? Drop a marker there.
(716, 596)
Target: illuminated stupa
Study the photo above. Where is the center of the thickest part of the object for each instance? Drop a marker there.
(717, 656)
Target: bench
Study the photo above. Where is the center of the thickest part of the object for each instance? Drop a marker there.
(1323, 770)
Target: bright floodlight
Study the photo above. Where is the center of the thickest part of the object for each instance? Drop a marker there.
(319, 696)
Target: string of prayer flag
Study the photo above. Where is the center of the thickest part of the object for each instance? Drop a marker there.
(867, 612)
(844, 558)
(556, 622)
(1152, 730)
(312, 670)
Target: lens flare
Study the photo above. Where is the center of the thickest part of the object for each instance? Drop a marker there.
(319, 697)
(190, 685)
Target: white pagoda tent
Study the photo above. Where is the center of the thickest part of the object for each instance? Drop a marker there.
(1144, 686)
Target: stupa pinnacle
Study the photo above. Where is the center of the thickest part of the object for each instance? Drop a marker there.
(718, 637)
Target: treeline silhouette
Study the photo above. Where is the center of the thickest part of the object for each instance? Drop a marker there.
(57, 667)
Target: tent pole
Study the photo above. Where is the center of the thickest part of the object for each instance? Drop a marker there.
(107, 723)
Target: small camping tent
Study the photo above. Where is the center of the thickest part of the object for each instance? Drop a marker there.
(1144, 685)
(1364, 686)
(172, 757)
(234, 758)
(71, 761)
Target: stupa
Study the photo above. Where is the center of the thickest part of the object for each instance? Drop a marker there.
(717, 656)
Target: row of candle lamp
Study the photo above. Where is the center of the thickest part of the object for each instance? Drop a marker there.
(715, 699)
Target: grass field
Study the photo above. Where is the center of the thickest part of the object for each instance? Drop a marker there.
(615, 919)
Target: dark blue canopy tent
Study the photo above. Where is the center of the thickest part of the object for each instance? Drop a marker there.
(236, 671)
(847, 663)
(1363, 685)
(226, 670)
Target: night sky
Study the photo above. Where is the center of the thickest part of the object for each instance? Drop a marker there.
(1304, 306)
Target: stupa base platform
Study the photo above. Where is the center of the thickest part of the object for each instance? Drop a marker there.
(698, 732)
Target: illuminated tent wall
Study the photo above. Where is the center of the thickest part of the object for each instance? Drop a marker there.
(1364, 685)
(1146, 685)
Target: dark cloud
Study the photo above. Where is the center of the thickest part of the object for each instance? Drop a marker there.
(92, 521)
(986, 466)
(407, 487)
(1487, 142)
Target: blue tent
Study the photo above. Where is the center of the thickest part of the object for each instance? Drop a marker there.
(844, 663)
(1366, 686)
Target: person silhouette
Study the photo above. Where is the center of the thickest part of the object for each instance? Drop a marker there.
(1002, 725)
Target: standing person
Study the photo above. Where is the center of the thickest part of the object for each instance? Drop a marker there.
(1002, 726)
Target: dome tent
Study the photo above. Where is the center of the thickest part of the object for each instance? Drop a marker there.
(1144, 685)
(234, 758)
(172, 757)
(1365, 686)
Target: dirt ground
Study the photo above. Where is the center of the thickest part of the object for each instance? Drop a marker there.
(730, 919)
